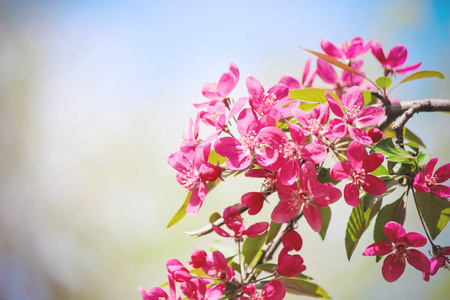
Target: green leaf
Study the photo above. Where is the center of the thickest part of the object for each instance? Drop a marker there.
(324, 176)
(369, 200)
(274, 228)
(357, 224)
(181, 212)
(251, 247)
(311, 95)
(325, 213)
(413, 146)
(396, 211)
(369, 99)
(300, 287)
(422, 74)
(410, 136)
(435, 212)
(380, 171)
(383, 82)
(214, 217)
(400, 159)
(387, 147)
(335, 62)
(307, 106)
(267, 267)
(422, 159)
(215, 158)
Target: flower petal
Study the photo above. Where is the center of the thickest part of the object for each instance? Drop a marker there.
(330, 49)
(442, 173)
(404, 70)
(256, 229)
(379, 248)
(420, 183)
(313, 217)
(393, 268)
(274, 290)
(416, 239)
(356, 154)
(353, 97)
(283, 212)
(334, 106)
(440, 190)
(378, 52)
(290, 82)
(418, 260)
(394, 231)
(360, 135)
(326, 72)
(429, 168)
(370, 115)
(374, 185)
(372, 162)
(340, 171)
(351, 194)
(254, 201)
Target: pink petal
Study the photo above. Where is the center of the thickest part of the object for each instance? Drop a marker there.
(254, 87)
(330, 49)
(394, 231)
(416, 239)
(283, 212)
(360, 135)
(247, 121)
(354, 50)
(290, 265)
(393, 268)
(338, 129)
(232, 214)
(379, 248)
(370, 115)
(440, 190)
(374, 185)
(372, 162)
(326, 72)
(324, 113)
(404, 70)
(292, 240)
(308, 176)
(325, 194)
(314, 152)
(289, 172)
(195, 203)
(356, 155)
(429, 168)
(219, 260)
(226, 84)
(306, 70)
(420, 183)
(274, 290)
(254, 201)
(301, 116)
(256, 229)
(280, 90)
(153, 294)
(418, 260)
(351, 194)
(209, 90)
(234, 71)
(397, 56)
(297, 135)
(353, 97)
(313, 217)
(220, 231)
(378, 52)
(177, 270)
(442, 173)
(237, 106)
(290, 82)
(334, 106)
(340, 171)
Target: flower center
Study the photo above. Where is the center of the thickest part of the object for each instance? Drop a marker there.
(358, 176)
(287, 148)
(188, 179)
(298, 198)
(314, 126)
(249, 140)
(269, 99)
(352, 113)
(431, 181)
(213, 87)
(215, 116)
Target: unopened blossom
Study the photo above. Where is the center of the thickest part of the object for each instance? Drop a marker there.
(400, 252)
(441, 259)
(428, 182)
(393, 61)
(354, 114)
(220, 90)
(198, 258)
(255, 200)
(233, 220)
(273, 290)
(375, 134)
(290, 265)
(270, 102)
(347, 50)
(294, 198)
(193, 174)
(357, 170)
(178, 272)
(240, 152)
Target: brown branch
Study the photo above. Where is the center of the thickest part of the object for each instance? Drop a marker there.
(400, 123)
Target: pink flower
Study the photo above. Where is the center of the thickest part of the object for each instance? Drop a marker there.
(177, 271)
(196, 290)
(394, 264)
(441, 259)
(193, 173)
(155, 293)
(219, 91)
(254, 201)
(273, 290)
(346, 50)
(233, 220)
(216, 266)
(270, 102)
(358, 169)
(427, 183)
(198, 258)
(354, 114)
(393, 61)
(240, 152)
(293, 198)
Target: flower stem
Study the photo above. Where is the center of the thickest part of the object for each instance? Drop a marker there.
(420, 216)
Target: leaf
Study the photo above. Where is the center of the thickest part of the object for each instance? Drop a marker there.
(413, 146)
(274, 228)
(334, 62)
(369, 200)
(311, 95)
(307, 106)
(400, 159)
(383, 82)
(369, 99)
(422, 74)
(422, 159)
(181, 212)
(325, 213)
(407, 134)
(215, 158)
(435, 212)
(298, 286)
(214, 217)
(396, 211)
(357, 224)
(324, 176)
(380, 171)
(251, 247)
(387, 147)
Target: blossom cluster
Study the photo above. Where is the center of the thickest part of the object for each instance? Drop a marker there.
(271, 135)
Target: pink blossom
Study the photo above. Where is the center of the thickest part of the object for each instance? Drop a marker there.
(270, 102)
(346, 50)
(294, 84)
(233, 220)
(273, 290)
(178, 272)
(155, 293)
(215, 115)
(295, 197)
(191, 141)
(219, 91)
(241, 151)
(441, 259)
(292, 240)
(358, 169)
(198, 258)
(254, 201)
(216, 266)
(193, 173)
(290, 265)
(394, 264)
(375, 134)
(354, 114)
(393, 61)
(428, 183)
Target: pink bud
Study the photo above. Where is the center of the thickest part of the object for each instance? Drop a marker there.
(375, 134)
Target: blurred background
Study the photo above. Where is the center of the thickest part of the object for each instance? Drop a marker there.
(94, 95)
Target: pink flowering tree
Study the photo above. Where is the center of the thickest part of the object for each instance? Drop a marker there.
(333, 135)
